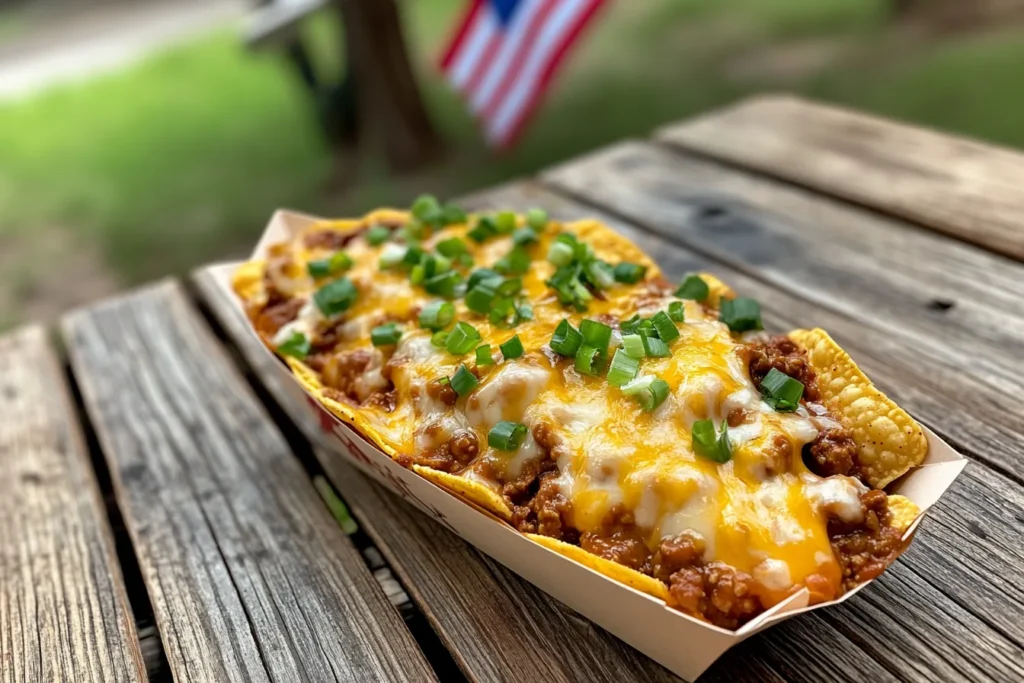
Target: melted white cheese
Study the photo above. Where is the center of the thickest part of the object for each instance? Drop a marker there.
(836, 496)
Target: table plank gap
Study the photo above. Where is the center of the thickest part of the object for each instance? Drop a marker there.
(841, 259)
(964, 188)
(64, 610)
(250, 577)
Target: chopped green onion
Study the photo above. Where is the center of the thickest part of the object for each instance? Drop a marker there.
(741, 314)
(629, 326)
(482, 274)
(630, 273)
(516, 261)
(377, 235)
(392, 254)
(462, 339)
(566, 340)
(667, 329)
(463, 381)
(506, 436)
(505, 222)
(483, 355)
(655, 348)
(633, 345)
(623, 368)
(524, 311)
(479, 298)
(465, 259)
(537, 219)
(338, 262)
(413, 256)
(693, 287)
(483, 230)
(296, 346)
(568, 288)
(452, 247)
(412, 232)
(443, 284)
(651, 391)
(444, 381)
(596, 334)
(560, 254)
(600, 273)
(385, 335)
(509, 287)
(524, 236)
(418, 274)
(335, 297)
(452, 215)
(709, 444)
(589, 361)
(427, 209)
(781, 392)
(639, 384)
(677, 311)
(439, 339)
(511, 349)
(437, 315)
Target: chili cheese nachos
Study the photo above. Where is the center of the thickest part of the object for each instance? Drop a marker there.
(549, 374)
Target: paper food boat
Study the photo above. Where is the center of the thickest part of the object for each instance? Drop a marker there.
(678, 641)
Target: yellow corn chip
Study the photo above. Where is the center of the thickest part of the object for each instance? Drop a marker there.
(474, 491)
(903, 510)
(717, 289)
(890, 442)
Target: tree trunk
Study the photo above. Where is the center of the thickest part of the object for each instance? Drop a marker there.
(391, 115)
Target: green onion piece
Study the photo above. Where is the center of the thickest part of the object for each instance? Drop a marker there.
(638, 385)
(781, 392)
(709, 444)
(516, 261)
(677, 311)
(439, 339)
(654, 395)
(566, 340)
(377, 235)
(503, 312)
(600, 273)
(385, 335)
(667, 329)
(465, 259)
(483, 230)
(589, 361)
(596, 334)
(413, 256)
(629, 326)
(560, 254)
(444, 381)
(418, 274)
(524, 236)
(462, 339)
(335, 297)
(741, 314)
(655, 348)
(630, 273)
(412, 232)
(437, 315)
(483, 274)
(337, 263)
(427, 209)
(505, 222)
(452, 215)
(452, 247)
(296, 346)
(392, 255)
(693, 287)
(623, 368)
(443, 284)
(509, 287)
(479, 298)
(463, 381)
(633, 345)
(506, 436)
(524, 311)
(537, 219)
(483, 355)
(511, 349)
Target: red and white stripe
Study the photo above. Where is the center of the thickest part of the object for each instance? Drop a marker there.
(502, 71)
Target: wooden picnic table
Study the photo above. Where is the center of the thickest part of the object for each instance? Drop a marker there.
(160, 497)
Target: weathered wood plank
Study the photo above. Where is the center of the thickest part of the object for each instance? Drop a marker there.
(965, 561)
(249, 575)
(964, 188)
(64, 613)
(956, 305)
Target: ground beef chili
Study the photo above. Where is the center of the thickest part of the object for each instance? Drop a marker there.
(276, 315)
(832, 452)
(864, 550)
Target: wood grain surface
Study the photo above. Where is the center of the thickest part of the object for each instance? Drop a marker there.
(961, 187)
(64, 613)
(250, 577)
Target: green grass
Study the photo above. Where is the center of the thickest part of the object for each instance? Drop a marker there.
(180, 159)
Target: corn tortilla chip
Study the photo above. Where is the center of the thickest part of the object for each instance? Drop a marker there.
(890, 442)
(903, 510)
(474, 491)
(717, 290)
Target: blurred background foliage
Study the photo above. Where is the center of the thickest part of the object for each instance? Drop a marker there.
(179, 158)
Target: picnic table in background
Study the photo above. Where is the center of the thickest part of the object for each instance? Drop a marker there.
(160, 497)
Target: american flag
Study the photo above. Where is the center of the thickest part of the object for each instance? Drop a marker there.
(505, 53)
